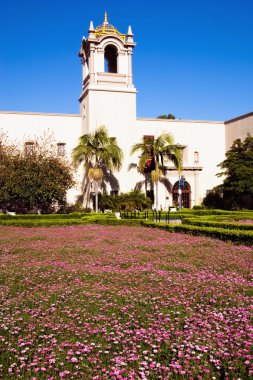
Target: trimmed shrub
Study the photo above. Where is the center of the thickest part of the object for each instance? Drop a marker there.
(208, 223)
(42, 222)
(242, 237)
(52, 220)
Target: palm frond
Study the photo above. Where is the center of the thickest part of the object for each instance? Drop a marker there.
(138, 147)
(165, 181)
(139, 185)
(98, 148)
(132, 166)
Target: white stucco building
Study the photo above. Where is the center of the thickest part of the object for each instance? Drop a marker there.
(108, 98)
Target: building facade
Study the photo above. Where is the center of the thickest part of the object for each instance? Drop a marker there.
(108, 98)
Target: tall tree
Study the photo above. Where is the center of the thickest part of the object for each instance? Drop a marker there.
(99, 153)
(238, 171)
(152, 159)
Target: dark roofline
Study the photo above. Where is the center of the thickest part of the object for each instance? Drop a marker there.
(239, 118)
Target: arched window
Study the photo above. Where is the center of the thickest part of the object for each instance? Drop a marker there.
(110, 59)
(186, 194)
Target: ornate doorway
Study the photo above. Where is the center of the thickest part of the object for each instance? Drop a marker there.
(186, 195)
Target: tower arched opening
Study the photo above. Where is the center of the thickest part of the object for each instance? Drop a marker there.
(110, 59)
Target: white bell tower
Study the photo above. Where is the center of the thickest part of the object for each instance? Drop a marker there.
(108, 95)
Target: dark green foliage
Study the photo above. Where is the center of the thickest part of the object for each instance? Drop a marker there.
(32, 181)
(214, 198)
(169, 116)
(134, 200)
(237, 189)
(131, 201)
(108, 202)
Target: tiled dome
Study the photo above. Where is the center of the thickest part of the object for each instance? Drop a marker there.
(106, 28)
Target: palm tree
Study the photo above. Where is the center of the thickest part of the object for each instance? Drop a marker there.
(153, 154)
(99, 153)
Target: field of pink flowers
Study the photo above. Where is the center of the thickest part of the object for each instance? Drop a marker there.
(95, 302)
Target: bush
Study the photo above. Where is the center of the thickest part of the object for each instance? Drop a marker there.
(65, 220)
(236, 192)
(33, 180)
(214, 199)
(43, 222)
(242, 237)
(208, 223)
(109, 202)
(131, 201)
(198, 207)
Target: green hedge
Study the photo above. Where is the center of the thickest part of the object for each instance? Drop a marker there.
(189, 213)
(242, 237)
(217, 213)
(43, 222)
(141, 215)
(120, 222)
(237, 216)
(74, 215)
(40, 217)
(208, 223)
(47, 222)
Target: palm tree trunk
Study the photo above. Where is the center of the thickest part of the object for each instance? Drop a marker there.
(156, 196)
(96, 200)
(96, 195)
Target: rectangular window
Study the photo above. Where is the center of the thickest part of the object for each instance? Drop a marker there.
(196, 158)
(61, 151)
(29, 147)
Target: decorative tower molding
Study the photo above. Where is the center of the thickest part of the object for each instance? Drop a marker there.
(91, 30)
(130, 35)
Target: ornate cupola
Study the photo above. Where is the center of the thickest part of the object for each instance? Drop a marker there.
(107, 56)
(106, 28)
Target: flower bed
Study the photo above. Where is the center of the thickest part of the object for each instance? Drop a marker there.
(95, 302)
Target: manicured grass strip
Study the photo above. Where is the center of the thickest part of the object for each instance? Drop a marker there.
(241, 237)
(227, 225)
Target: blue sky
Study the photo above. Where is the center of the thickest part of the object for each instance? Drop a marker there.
(193, 58)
